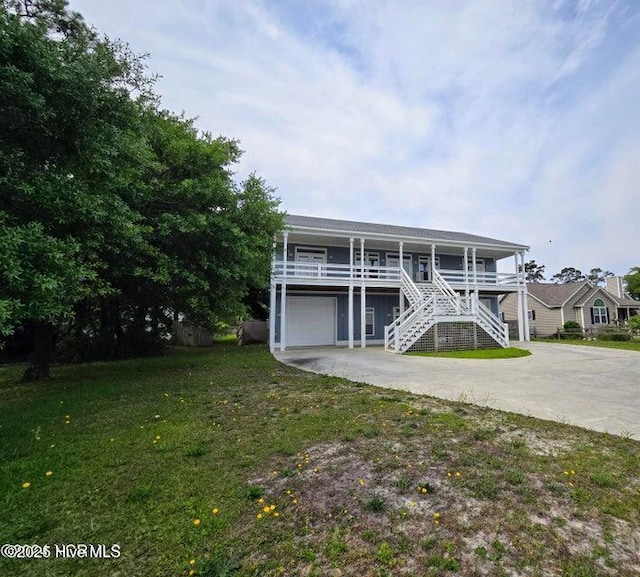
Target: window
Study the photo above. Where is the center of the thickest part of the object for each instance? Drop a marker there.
(599, 313)
(531, 315)
(370, 258)
(369, 322)
(396, 313)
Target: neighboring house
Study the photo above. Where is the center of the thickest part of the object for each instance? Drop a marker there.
(337, 282)
(551, 305)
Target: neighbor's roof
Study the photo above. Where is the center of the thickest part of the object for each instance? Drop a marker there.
(554, 295)
(355, 227)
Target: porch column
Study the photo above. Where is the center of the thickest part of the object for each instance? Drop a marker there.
(285, 247)
(363, 316)
(363, 299)
(272, 318)
(350, 313)
(433, 260)
(466, 274)
(283, 294)
(525, 304)
(401, 295)
(350, 310)
(475, 271)
(521, 312)
(283, 320)
(351, 261)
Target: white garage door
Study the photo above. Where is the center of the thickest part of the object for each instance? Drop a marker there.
(311, 321)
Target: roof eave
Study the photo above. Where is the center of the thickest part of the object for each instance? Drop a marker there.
(416, 239)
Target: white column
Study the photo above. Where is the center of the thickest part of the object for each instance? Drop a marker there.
(363, 299)
(522, 313)
(350, 310)
(466, 274)
(350, 313)
(351, 261)
(475, 271)
(285, 250)
(283, 294)
(272, 318)
(433, 260)
(401, 294)
(283, 315)
(363, 316)
(525, 304)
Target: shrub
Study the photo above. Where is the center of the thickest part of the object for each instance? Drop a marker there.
(634, 324)
(572, 330)
(607, 336)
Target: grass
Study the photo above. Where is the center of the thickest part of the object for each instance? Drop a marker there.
(225, 462)
(503, 353)
(625, 345)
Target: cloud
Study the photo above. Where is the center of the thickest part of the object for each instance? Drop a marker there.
(513, 120)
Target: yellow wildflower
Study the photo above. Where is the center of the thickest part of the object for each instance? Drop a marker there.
(26, 485)
(272, 507)
(260, 500)
(259, 516)
(361, 481)
(295, 501)
(196, 522)
(215, 510)
(266, 508)
(49, 473)
(192, 561)
(276, 514)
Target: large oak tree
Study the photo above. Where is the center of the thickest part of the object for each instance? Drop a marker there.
(114, 214)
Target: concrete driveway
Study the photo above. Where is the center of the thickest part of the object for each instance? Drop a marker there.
(590, 387)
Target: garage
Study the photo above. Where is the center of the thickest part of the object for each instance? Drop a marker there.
(311, 321)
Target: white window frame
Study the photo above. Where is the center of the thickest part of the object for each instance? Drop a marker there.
(600, 313)
(370, 311)
(481, 265)
(369, 255)
(530, 315)
(310, 250)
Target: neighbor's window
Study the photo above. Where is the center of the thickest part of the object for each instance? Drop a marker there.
(532, 315)
(599, 312)
(369, 321)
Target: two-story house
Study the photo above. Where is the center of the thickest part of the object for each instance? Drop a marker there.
(338, 282)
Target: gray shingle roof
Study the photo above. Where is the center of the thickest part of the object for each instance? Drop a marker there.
(554, 295)
(350, 226)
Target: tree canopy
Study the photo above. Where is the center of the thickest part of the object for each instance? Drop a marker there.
(115, 215)
(567, 275)
(534, 272)
(632, 282)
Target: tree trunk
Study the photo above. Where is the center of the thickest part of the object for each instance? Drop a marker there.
(40, 363)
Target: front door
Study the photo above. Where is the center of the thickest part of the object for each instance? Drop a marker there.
(309, 260)
(424, 268)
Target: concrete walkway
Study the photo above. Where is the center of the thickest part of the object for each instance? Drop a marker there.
(591, 387)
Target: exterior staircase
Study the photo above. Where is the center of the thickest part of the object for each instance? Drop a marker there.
(433, 303)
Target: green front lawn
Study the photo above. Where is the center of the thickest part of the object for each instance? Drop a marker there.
(506, 353)
(225, 462)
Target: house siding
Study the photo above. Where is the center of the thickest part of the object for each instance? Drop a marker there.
(547, 320)
(608, 302)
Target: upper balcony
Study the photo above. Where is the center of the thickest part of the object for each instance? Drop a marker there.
(325, 274)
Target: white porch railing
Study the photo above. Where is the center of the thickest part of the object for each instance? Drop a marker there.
(329, 271)
(458, 277)
(388, 274)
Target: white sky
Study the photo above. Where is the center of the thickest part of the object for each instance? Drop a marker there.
(518, 120)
